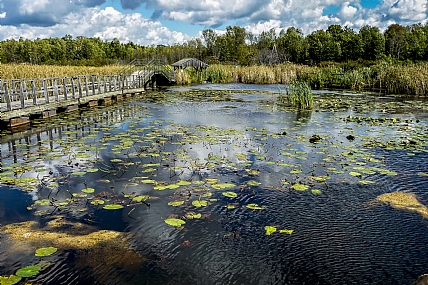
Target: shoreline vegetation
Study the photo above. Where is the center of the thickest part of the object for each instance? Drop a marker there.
(383, 77)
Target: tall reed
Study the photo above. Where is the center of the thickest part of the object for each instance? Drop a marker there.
(299, 95)
(18, 71)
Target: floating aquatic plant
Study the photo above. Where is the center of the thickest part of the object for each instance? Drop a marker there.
(174, 222)
(46, 251)
(28, 271)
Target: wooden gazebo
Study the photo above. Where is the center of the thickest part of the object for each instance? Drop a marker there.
(193, 62)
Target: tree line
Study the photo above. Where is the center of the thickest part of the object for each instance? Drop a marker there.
(235, 46)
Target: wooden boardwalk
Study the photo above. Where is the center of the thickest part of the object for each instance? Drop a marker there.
(23, 98)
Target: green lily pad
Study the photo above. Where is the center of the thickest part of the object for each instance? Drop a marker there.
(423, 174)
(270, 230)
(140, 198)
(288, 232)
(356, 174)
(176, 203)
(230, 194)
(45, 251)
(193, 215)
(199, 203)
(88, 190)
(253, 183)
(28, 271)
(174, 222)
(9, 280)
(43, 202)
(112, 207)
(300, 187)
(97, 202)
(254, 207)
(220, 186)
(79, 173)
(316, 191)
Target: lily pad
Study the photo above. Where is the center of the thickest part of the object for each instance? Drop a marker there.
(270, 230)
(88, 190)
(193, 215)
(220, 186)
(200, 203)
(174, 222)
(28, 271)
(112, 207)
(288, 232)
(176, 203)
(316, 191)
(9, 280)
(97, 202)
(140, 198)
(356, 174)
(300, 187)
(230, 194)
(45, 251)
(254, 207)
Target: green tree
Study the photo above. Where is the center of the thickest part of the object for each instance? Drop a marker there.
(292, 44)
(322, 46)
(396, 37)
(373, 43)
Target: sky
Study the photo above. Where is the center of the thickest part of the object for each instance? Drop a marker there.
(153, 22)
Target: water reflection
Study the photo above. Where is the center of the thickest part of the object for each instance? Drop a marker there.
(135, 148)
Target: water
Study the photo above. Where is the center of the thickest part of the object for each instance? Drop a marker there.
(239, 135)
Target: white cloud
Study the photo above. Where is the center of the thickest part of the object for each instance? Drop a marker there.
(105, 24)
(347, 12)
(45, 18)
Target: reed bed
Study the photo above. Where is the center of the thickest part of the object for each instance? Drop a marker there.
(411, 79)
(21, 71)
(182, 77)
(299, 95)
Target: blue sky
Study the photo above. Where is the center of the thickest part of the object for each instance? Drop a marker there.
(152, 22)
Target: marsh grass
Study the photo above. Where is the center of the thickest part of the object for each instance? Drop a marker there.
(299, 95)
(383, 76)
(21, 71)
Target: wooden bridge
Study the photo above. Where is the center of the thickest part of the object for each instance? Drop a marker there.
(22, 99)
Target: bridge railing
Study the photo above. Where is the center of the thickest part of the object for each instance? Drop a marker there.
(147, 67)
(23, 93)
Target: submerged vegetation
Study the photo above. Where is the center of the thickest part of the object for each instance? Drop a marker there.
(404, 201)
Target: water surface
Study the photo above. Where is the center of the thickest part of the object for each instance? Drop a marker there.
(170, 145)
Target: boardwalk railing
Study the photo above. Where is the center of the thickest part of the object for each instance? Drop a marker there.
(24, 93)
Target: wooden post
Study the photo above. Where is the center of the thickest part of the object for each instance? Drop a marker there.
(55, 87)
(109, 81)
(7, 95)
(45, 91)
(22, 97)
(73, 89)
(64, 81)
(99, 84)
(93, 85)
(33, 91)
(79, 86)
(105, 84)
(86, 86)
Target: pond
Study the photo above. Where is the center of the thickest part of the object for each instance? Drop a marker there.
(219, 184)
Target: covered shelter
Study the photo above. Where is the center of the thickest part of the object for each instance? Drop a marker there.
(193, 62)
